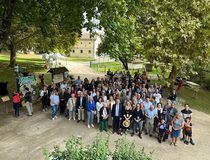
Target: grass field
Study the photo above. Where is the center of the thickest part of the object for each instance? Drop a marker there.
(31, 63)
(199, 100)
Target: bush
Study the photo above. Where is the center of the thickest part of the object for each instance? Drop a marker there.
(98, 150)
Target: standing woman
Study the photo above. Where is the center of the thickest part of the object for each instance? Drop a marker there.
(99, 105)
(127, 114)
(54, 102)
(44, 98)
(110, 103)
(104, 115)
(62, 97)
(177, 124)
(28, 100)
(16, 103)
(71, 106)
(91, 108)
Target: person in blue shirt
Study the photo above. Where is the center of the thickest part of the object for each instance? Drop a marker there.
(91, 110)
(147, 104)
(151, 113)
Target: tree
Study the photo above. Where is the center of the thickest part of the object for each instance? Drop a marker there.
(175, 33)
(45, 26)
(120, 39)
(6, 13)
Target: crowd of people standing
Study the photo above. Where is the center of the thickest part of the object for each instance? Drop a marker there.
(124, 103)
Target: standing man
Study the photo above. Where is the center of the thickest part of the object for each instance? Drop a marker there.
(151, 113)
(116, 115)
(81, 104)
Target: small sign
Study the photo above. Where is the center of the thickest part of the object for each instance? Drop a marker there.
(5, 99)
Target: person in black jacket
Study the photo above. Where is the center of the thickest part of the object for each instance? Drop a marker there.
(28, 101)
(137, 120)
(104, 115)
(117, 116)
(80, 106)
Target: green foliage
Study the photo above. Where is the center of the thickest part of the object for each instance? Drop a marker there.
(99, 150)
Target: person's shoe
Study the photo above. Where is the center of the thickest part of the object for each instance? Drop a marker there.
(150, 135)
(159, 140)
(164, 140)
(171, 143)
(56, 117)
(92, 125)
(146, 133)
(83, 120)
(132, 134)
(78, 121)
(175, 144)
(69, 119)
(182, 139)
(74, 119)
(140, 136)
(53, 119)
(88, 126)
(191, 141)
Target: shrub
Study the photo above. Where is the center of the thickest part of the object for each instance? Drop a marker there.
(98, 150)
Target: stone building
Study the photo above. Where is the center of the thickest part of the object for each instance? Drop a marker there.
(86, 47)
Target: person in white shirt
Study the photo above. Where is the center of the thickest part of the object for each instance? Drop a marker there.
(99, 105)
(157, 97)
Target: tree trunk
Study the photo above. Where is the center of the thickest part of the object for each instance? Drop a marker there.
(172, 77)
(12, 55)
(9, 7)
(124, 62)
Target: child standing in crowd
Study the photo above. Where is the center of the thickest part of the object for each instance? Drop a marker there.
(16, 103)
(162, 129)
(187, 131)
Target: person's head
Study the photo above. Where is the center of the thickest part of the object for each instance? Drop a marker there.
(147, 98)
(138, 106)
(162, 121)
(117, 101)
(97, 93)
(174, 91)
(172, 105)
(186, 106)
(72, 95)
(159, 105)
(81, 94)
(110, 98)
(78, 77)
(151, 107)
(138, 96)
(169, 102)
(178, 115)
(90, 98)
(100, 99)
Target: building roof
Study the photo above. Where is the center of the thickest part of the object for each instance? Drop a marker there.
(86, 36)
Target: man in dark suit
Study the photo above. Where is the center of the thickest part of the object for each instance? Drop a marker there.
(96, 97)
(80, 106)
(116, 115)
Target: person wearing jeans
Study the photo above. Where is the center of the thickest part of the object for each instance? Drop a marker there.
(54, 102)
(91, 109)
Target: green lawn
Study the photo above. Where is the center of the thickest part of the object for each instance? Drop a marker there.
(103, 67)
(199, 100)
(33, 64)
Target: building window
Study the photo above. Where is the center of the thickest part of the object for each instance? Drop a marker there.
(89, 51)
(73, 51)
(81, 51)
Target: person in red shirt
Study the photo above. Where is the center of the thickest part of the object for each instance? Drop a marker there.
(16, 103)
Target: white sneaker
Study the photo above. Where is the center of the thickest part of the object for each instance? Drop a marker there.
(74, 119)
(53, 119)
(56, 117)
(69, 119)
(88, 126)
(92, 125)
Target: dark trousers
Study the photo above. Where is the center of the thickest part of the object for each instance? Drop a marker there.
(16, 108)
(116, 124)
(103, 125)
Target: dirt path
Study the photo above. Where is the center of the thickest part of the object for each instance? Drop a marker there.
(26, 137)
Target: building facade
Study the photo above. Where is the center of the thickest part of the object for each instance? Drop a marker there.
(85, 47)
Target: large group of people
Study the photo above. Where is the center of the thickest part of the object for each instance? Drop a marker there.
(120, 103)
